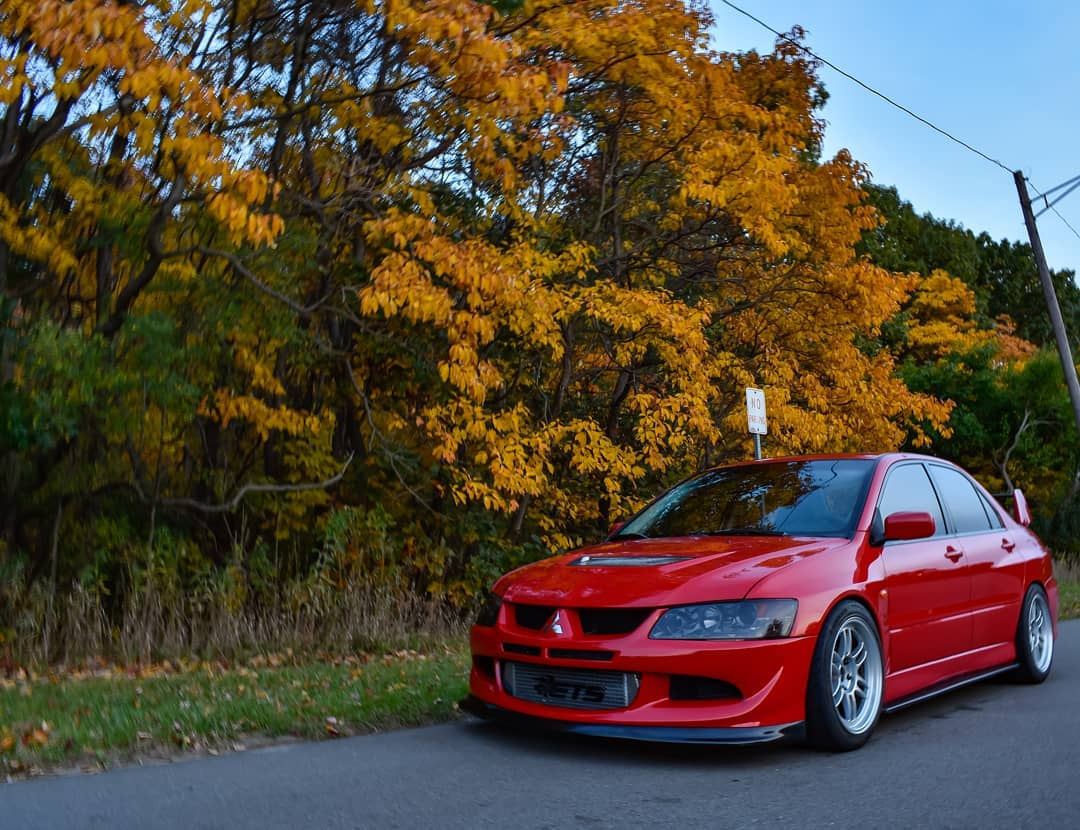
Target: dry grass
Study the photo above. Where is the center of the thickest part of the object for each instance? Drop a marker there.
(1067, 570)
(305, 617)
(1067, 574)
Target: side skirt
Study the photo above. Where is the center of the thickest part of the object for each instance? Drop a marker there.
(948, 686)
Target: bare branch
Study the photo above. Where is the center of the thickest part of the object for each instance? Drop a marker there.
(246, 273)
(1002, 461)
(234, 502)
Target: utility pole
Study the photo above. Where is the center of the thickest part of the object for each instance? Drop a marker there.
(1064, 349)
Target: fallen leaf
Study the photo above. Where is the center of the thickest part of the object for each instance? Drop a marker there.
(35, 737)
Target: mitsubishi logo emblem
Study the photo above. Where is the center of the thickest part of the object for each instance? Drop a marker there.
(555, 626)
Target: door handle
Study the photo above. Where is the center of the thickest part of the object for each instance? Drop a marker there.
(952, 554)
(1005, 543)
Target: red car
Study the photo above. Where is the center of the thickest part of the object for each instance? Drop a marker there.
(796, 596)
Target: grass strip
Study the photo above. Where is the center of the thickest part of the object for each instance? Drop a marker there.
(99, 721)
(1068, 600)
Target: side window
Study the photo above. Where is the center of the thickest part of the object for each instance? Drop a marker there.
(963, 502)
(995, 518)
(908, 488)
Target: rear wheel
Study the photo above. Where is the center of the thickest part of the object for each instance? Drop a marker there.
(1034, 637)
(843, 697)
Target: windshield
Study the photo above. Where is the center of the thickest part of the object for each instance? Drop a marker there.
(789, 498)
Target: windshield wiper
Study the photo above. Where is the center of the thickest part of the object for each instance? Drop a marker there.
(739, 531)
(630, 535)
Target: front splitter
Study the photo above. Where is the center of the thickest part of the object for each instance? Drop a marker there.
(657, 734)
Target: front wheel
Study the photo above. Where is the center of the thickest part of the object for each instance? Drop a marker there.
(847, 680)
(1034, 637)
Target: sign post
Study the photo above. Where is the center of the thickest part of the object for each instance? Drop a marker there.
(755, 417)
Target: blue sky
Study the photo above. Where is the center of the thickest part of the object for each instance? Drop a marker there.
(1003, 76)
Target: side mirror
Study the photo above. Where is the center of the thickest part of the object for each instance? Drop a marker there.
(907, 525)
(615, 528)
(1020, 507)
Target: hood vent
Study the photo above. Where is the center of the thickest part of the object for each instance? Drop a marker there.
(601, 561)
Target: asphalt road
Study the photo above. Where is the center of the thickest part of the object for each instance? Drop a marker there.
(992, 755)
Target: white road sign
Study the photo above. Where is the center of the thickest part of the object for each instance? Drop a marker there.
(755, 412)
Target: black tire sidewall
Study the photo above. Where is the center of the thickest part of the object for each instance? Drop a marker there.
(823, 727)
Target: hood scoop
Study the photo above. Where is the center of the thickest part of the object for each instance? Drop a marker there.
(601, 561)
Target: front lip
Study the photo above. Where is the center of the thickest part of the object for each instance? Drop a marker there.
(736, 735)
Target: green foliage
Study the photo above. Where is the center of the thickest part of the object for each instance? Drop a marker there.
(505, 6)
(65, 380)
(1012, 419)
(1001, 273)
(1006, 420)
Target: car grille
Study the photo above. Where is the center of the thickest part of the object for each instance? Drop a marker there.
(612, 620)
(594, 621)
(579, 654)
(570, 688)
(533, 616)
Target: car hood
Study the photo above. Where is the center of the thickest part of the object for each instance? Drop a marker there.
(657, 572)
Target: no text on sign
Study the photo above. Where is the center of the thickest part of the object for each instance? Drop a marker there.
(755, 411)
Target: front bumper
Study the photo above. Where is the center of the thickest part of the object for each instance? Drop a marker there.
(770, 677)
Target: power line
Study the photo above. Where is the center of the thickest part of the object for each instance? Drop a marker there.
(1056, 188)
(867, 87)
(1052, 205)
(1066, 221)
(1048, 203)
(1075, 182)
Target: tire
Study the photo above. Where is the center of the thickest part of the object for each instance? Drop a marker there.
(1034, 637)
(847, 680)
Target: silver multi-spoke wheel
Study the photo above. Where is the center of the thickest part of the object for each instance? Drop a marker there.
(847, 679)
(1040, 632)
(856, 675)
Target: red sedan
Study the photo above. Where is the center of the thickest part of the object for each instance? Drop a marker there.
(795, 596)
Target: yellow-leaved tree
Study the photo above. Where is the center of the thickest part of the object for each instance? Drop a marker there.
(647, 234)
(512, 263)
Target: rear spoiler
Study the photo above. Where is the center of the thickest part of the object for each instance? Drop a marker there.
(1020, 506)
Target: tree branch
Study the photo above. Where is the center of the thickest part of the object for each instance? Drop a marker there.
(234, 502)
(246, 273)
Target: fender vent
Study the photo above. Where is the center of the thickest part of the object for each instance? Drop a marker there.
(688, 687)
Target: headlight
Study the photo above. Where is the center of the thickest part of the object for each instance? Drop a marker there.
(751, 619)
(489, 611)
